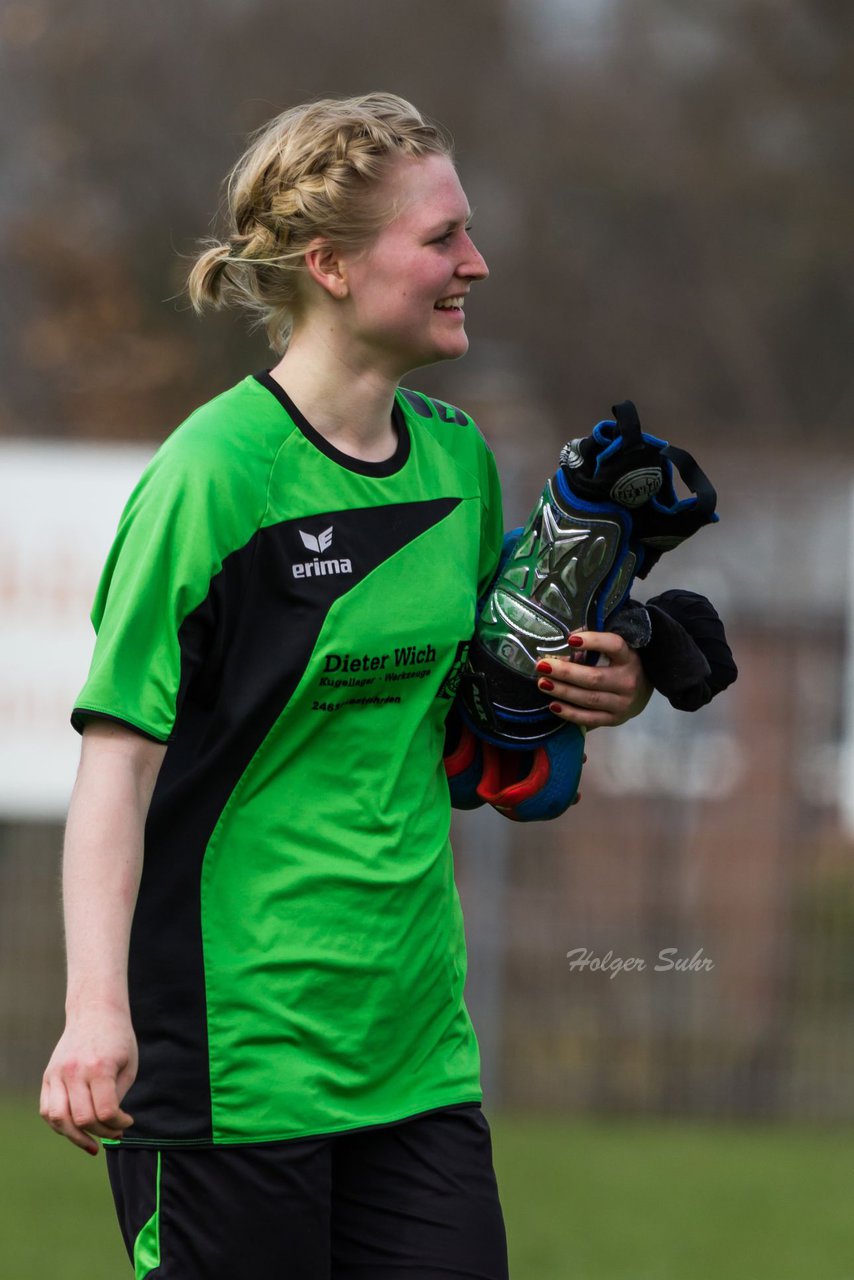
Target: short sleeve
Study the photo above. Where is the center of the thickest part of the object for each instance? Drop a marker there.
(492, 522)
(152, 629)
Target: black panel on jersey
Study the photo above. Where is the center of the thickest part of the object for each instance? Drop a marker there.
(246, 646)
(450, 413)
(421, 404)
(416, 401)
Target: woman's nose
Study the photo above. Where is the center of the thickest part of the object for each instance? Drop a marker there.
(475, 265)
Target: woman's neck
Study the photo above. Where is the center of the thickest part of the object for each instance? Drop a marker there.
(350, 407)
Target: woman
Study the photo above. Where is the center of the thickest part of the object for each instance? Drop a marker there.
(292, 582)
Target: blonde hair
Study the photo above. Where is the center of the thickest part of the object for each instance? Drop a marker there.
(309, 172)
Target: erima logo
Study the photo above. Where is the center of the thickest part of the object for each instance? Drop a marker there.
(319, 544)
(319, 568)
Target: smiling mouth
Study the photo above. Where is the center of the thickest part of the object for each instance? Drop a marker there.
(450, 304)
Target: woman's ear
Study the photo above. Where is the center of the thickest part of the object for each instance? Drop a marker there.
(326, 267)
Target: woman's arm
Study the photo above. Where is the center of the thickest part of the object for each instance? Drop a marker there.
(95, 1061)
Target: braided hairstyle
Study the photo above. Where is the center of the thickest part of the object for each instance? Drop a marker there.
(310, 172)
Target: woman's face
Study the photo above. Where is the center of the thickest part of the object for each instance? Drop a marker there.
(422, 258)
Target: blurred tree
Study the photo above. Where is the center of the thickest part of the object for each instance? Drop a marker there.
(696, 251)
(664, 196)
(123, 127)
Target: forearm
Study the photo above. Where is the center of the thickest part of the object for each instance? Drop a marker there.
(102, 865)
(95, 1060)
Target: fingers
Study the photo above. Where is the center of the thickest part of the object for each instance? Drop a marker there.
(609, 643)
(583, 716)
(109, 1119)
(83, 1110)
(55, 1109)
(598, 689)
(594, 696)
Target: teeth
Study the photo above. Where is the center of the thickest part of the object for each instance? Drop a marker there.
(446, 303)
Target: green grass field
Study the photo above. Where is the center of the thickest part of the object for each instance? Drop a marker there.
(583, 1201)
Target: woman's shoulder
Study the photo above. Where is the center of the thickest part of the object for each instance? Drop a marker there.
(431, 409)
(454, 428)
(242, 419)
(224, 450)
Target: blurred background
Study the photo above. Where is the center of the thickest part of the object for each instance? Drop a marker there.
(664, 192)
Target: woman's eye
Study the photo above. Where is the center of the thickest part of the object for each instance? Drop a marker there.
(448, 234)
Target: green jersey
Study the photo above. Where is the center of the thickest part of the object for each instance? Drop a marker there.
(290, 620)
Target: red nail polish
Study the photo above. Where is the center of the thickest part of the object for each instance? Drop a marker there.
(576, 642)
(546, 685)
(544, 666)
(557, 707)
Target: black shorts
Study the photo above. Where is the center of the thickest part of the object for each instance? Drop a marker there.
(415, 1200)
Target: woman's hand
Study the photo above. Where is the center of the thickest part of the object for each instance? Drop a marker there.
(592, 697)
(90, 1071)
